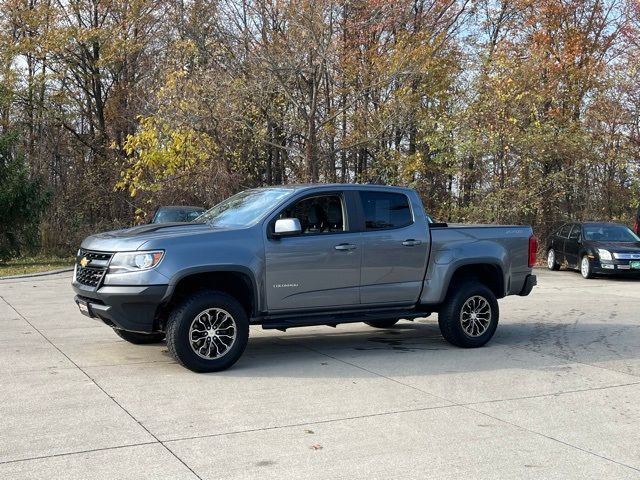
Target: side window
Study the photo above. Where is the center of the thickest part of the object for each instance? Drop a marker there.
(383, 210)
(192, 216)
(564, 231)
(575, 232)
(321, 214)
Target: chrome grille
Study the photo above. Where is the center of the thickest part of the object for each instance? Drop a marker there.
(92, 274)
(626, 256)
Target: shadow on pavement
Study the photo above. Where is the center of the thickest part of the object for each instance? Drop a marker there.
(419, 345)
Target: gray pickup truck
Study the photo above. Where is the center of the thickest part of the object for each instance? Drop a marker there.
(295, 256)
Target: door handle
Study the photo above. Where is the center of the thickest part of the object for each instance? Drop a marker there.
(411, 243)
(346, 246)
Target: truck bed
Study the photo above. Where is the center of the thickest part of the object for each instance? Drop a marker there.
(504, 248)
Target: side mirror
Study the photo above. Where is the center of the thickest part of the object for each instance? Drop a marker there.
(285, 227)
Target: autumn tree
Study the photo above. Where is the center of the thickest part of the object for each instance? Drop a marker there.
(514, 111)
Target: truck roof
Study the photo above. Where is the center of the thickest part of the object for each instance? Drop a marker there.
(342, 186)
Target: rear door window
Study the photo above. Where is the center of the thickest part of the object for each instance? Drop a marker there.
(385, 210)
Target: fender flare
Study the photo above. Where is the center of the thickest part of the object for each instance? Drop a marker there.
(456, 266)
(231, 268)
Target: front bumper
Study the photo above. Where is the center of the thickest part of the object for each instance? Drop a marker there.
(530, 282)
(132, 308)
(614, 267)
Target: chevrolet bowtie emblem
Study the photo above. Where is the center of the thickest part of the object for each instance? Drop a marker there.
(84, 262)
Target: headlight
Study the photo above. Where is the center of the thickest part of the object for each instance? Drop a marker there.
(134, 261)
(604, 254)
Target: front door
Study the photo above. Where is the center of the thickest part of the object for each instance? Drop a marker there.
(572, 246)
(395, 249)
(320, 268)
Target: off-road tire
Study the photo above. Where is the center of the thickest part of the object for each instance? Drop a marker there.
(179, 324)
(449, 317)
(139, 338)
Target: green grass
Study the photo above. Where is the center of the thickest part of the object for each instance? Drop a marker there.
(40, 263)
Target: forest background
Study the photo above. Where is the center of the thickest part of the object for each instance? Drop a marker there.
(507, 111)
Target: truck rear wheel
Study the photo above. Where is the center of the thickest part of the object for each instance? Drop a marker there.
(388, 323)
(469, 316)
(208, 331)
(139, 338)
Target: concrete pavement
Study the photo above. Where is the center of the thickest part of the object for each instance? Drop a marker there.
(554, 395)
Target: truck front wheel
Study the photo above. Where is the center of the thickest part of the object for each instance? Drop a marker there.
(208, 331)
(469, 316)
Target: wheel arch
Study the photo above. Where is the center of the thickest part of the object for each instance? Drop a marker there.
(235, 280)
(489, 274)
(587, 250)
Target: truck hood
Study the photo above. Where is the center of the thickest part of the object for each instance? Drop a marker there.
(134, 238)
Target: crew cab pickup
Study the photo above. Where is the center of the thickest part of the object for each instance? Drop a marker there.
(295, 256)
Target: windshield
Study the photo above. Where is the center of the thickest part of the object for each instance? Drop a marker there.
(168, 215)
(243, 208)
(610, 233)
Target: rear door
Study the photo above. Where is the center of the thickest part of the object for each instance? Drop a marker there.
(395, 247)
(320, 268)
(558, 242)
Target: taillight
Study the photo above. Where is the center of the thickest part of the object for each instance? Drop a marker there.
(533, 250)
(636, 227)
